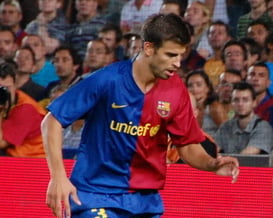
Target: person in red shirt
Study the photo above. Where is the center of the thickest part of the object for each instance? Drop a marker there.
(20, 120)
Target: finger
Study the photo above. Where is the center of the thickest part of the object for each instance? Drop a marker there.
(235, 174)
(75, 197)
(67, 208)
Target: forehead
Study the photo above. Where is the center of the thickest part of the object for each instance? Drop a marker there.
(9, 7)
(6, 35)
(217, 27)
(233, 48)
(63, 52)
(257, 69)
(230, 77)
(241, 93)
(23, 51)
(96, 44)
(257, 27)
(32, 39)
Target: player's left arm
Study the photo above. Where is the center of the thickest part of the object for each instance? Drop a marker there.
(197, 157)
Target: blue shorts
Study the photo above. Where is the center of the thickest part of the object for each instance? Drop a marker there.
(124, 205)
(111, 213)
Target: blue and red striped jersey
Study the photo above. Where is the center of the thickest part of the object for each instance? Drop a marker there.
(124, 141)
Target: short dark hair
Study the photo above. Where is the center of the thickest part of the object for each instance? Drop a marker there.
(159, 28)
(76, 59)
(234, 72)
(242, 86)
(4, 28)
(27, 47)
(254, 47)
(234, 42)
(221, 23)
(261, 64)
(7, 69)
(259, 22)
(177, 2)
(112, 27)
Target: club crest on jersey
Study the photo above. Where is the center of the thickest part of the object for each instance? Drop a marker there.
(163, 108)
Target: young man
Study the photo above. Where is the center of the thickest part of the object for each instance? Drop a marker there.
(8, 44)
(246, 133)
(258, 77)
(11, 16)
(130, 108)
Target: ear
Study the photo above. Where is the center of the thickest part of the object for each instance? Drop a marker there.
(148, 48)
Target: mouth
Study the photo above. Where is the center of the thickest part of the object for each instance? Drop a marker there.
(170, 72)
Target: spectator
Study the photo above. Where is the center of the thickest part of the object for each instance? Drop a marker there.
(50, 24)
(246, 133)
(20, 117)
(192, 60)
(234, 56)
(254, 50)
(218, 9)
(86, 27)
(258, 30)
(45, 71)
(269, 59)
(135, 12)
(199, 16)
(269, 7)
(110, 10)
(258, 77)
(96, 56)
(227, 79)
(25, 60)
(135, 46)
(111, 35)
(211, 112)
(11, 16)
(8, 44)
(257, 11)
(66, 63)
(218, 34)
(172, 6)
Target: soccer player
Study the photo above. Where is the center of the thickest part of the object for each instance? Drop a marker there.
(130, 108)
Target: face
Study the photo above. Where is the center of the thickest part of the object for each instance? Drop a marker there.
(9, 83)
(24, 60)
(64, 64)
(7, 44)
(36, 45)
(258, 33)
(194, 15)
(256, 3)
(170, 8)
(258, 77)
(109, 38)
(10, 16)
(226, 81)
(96, 55)
(234, 57)
(135, 47)
(49, 6)
(242, 103)
(270, 9)
(217, 36)
(86, 7)
(198, 87)
(164, 61)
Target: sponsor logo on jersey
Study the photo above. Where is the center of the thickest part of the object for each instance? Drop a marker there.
(134, 130)
(116, 106)
(163, 108)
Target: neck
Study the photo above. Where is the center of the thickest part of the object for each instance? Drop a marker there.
(21, 79)
(49, 16)
(39, 64)
(143, 75)
(83, 18)
(67, 80)
(243, 122)
(257, 12)
(217, 54)
(260, 97)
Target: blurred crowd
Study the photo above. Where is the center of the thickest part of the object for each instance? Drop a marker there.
(47, 46)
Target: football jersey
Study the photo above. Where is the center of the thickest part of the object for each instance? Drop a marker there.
(124, 140)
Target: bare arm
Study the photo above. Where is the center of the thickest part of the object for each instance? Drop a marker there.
(59, 187)
(196, 156)
(250, 150)
(210, 4)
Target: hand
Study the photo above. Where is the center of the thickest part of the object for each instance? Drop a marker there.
(227, 166)
(58, 191)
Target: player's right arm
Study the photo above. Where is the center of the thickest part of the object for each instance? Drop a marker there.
(59, 187)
